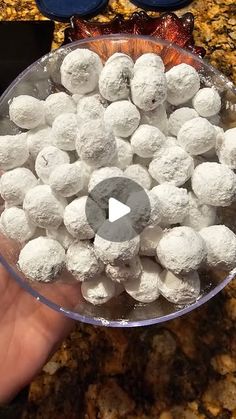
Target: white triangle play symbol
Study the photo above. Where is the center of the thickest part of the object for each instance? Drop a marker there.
(116, 210)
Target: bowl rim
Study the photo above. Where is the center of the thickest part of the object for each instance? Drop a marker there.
(98, 321)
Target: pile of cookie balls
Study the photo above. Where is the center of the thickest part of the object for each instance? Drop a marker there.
(120, 119)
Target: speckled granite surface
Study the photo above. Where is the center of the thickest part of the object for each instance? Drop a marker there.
(185, 369)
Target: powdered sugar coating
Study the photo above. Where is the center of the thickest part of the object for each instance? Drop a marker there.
(98, 291)
(221, 246)
(115, 251)
(75, 218)
(115, 78)
(146, 211)
(48, 159)
(149, 239)
(179, 117)
(226, 148)
(156, 117)
(122, 118)
(90, 107)
(56, 104)
(120, 57)
(181, 250)
(207, 102)
(172, 165)
(80, 71)
(95, 144)
(145, 289)
(174, 202)
(183, 82)
(147, 140)
(43, 207)
(214, 184)
(26, 111)
(124, 155)
(101, 190)
(42, 259)
(197, 136)
(61, 235)
(149, 60)
(199, 215)
(39, 138)
(13, 151)
(15, 184)
(67, 179)
(124, 271)
(16, 224)
(148, 88)
(64, 130)
(82, 262)
(181, 289)
(139, 174)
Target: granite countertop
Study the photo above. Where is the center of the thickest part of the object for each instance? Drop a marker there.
(184, 369)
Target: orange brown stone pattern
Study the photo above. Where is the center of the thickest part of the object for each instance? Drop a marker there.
(184, 369)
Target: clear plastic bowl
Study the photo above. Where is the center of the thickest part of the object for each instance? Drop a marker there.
(63, 295)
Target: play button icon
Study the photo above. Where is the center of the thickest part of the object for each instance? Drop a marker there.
(126, 209)
(116, 210)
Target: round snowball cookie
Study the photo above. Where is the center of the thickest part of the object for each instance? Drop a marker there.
(61, 235)
(199, 215)
(145, 212)
(197, 136)
(207, 102)
(67, 179)
(124, 271)
(13, 151)
(56, 104)
(39, 138)
(80, 71)
(174, 202)
(98, 291)
(26, 111)
(183, 82)
(148, 88)
(221, 246)
(181, 289)
(114, 81)
(149, 239)
(95, 144)
(172, 165)
(214, 184)
(122, 118)
(145, 289)
(100, 191)
(115, 251)
(171, 142)
(47, 160)
(75, 218)
(147, 140)
(43, 207)
(178, 118)
(64, 129)
(82, 262)
(16, 224)
(226, 148)
(42, 259)
(120, 57)
(149, 60)
(124, 154)
(181, 250)
(89, 108)
(15, 184)
(139, 174)
(157, 118)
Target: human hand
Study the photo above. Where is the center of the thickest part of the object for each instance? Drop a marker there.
(29, 334)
